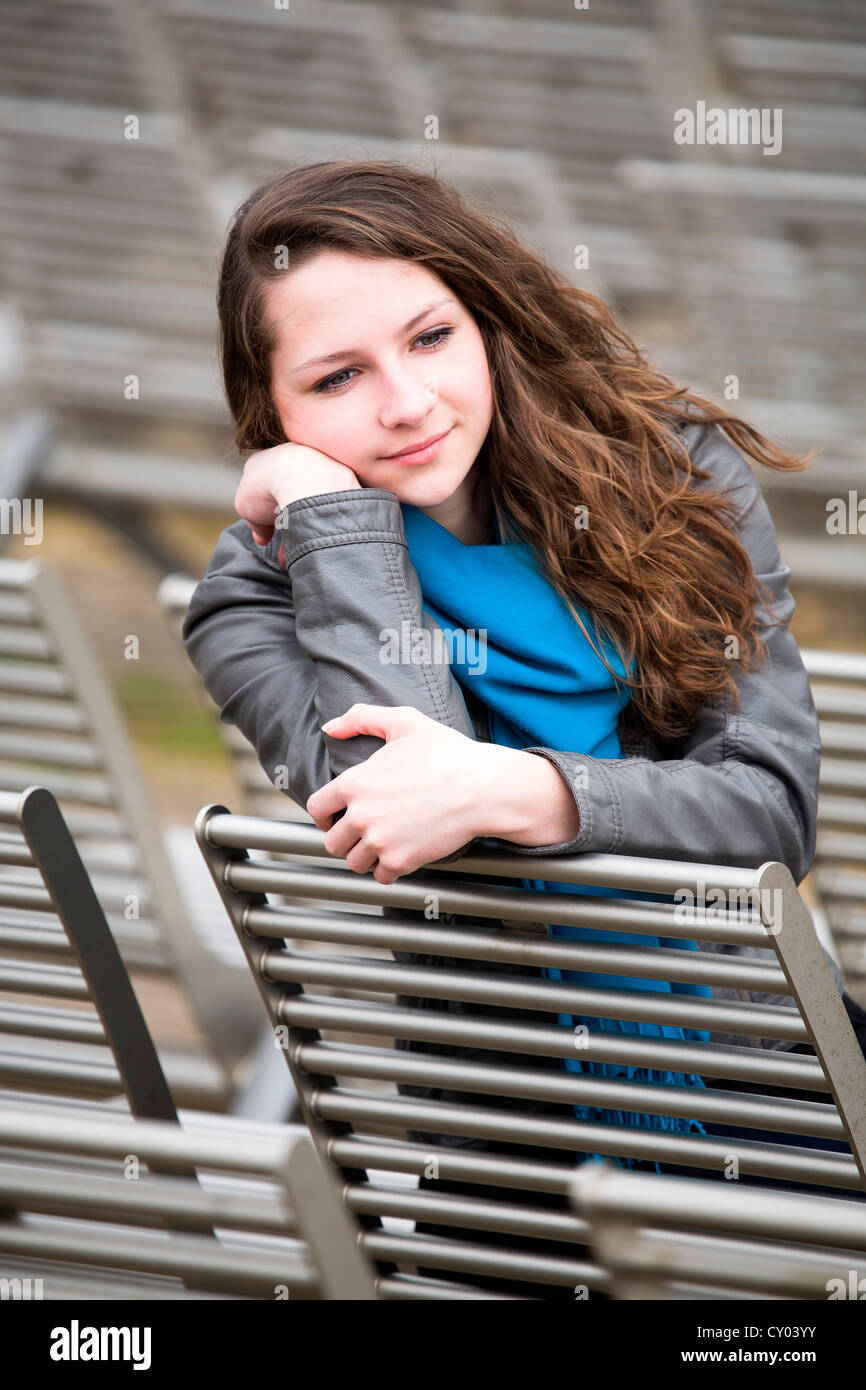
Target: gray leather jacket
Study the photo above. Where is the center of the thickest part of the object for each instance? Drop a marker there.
(282, 647)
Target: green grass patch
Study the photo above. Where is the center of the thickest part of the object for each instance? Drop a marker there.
(162, 714)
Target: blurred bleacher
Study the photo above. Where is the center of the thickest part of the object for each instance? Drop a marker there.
(720, 261)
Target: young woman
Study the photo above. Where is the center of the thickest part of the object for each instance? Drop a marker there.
(431, 415)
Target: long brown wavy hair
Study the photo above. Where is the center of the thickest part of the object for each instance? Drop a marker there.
(579, 418)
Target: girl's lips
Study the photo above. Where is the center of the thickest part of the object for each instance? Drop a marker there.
(421, 455)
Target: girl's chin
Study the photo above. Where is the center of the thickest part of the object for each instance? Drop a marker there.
(420, 486)
(421, 497)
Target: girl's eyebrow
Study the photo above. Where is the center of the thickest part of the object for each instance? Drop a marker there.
(354, 351)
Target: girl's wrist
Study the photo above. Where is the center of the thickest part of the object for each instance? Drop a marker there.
(289, 489)
(522, 797)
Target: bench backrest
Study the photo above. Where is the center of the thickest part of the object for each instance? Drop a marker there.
(349, 1080)
(663, 1237)
(146, 1197)
(86, 1036)
(838, 683)
(60, 728)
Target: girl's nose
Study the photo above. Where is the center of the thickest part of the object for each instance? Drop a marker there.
(410, 402)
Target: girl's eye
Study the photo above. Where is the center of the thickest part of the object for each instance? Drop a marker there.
(443, 334)
(332, 383)
(324, 387)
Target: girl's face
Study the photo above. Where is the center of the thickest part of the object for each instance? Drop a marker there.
(407, 363)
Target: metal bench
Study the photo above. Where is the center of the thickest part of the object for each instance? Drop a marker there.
(86, 1035)
(73, 1051)
(70, 1023)
(838, 682)
(60, 728)
(661, 1238)
(329, 1009)
(111, 1207)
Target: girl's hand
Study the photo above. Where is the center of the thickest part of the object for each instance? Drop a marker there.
(411, 802)
(273, 478)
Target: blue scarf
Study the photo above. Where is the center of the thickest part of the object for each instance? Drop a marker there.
(512, 640)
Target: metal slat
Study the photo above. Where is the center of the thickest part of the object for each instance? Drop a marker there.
(68, 1025)
(773, 1067)
(92, 791)
(410, 1288)
(432, 939)
(680, 1202)
(91, 1078)
(60, 716)
(841, 812)
(793, 1164)
(457, 1165)
(13, 850)
(843, 774)
(838, 702)
(30, 642)
(56, 752)
(724, 1107)
(20, 678)
(114, 1199)
(199, 1261)
(524, 907)
(842, 846)
(25, 894)
(843, 666)
(741, 1266)
(43, 940)
(16, 608)
(487, 1260)
(835, 883)
(226, 831)
(368, 1199)
(387, 977)
(56, 981)
(849, 739)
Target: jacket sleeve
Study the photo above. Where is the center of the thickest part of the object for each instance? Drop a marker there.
(742, 787)
(291, 634)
